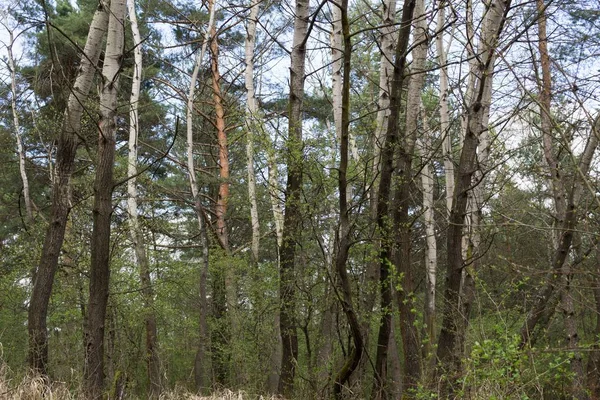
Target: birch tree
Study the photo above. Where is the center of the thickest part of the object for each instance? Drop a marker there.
(135, 230)
(450, 342)
(103, 207)
(293, 201)
(252, 121)
(17, 125)
(202, 375)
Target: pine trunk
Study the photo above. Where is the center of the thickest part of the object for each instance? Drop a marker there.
(65, 158)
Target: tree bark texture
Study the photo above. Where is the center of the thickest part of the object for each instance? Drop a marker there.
(135, 230)
(102, 208)
(293, 214)
(343, 242)
(444, 110)
(450, 343)
(252, 122)
(402, 224)
(65, 159)
(390, 144)
(202, 373)
(17, 130)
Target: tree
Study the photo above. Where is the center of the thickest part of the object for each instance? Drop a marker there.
(103, 207)
(451, 339)
(136, 233)
(65, 156)
(293, 193)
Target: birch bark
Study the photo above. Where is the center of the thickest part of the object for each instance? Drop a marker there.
(135, 230)
(451, 340)
(292, 217)
(17, 128)
(202, 373)
(102, 208)
(252, 121)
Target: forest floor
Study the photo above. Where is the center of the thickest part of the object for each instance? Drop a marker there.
(35, 389)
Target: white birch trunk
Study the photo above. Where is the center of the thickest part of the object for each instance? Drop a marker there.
(202, 376)
(252, 120)
(135, 231)
(444, 112)
(386, 70)
(17, 128)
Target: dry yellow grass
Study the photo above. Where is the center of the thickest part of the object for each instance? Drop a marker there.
(35, 388)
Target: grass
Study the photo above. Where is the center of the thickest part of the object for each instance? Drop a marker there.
(36, 388)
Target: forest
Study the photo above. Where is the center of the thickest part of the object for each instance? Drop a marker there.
(347, 199)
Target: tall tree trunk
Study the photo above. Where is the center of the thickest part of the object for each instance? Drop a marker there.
(293, 216)
(102, 208)
(427, 183)
(252, 120)
(228, 280)
(223, 196)
(65, 158)
(383, 111)
(17, 129)
(401, 220)
(450, 343)
(391, 142)
(593, 366)
(135, 231)
(344, 232)
(202, 375)
(444, 113)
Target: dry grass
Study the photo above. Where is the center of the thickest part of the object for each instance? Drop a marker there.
(35, 388)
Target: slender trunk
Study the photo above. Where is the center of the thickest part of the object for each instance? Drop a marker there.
(252, 120)
(17, 128)
(566, 203)
(450, 343)
(293, 216)
(578, 389)
(135, 231)
(391, 141)
(202, 375)
(444, 113)
(387, 43)
(593, 366)
(401, 220)
(65, 158)
(427, 183)
(223, 197)
(277, 350)
(386, 69)
(102, 208)
(344, 232)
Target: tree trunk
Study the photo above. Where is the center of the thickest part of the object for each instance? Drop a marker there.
(401, 220)
(344, 232)
(444, 113)
(593, 366)
(565, 203)
(135, 231)
(252, 121)
(65, 158)
(102, 208)
(202, 375)
(450, 343)
(391, 141)
(17, 129)
(427, 183)
(292, 218)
